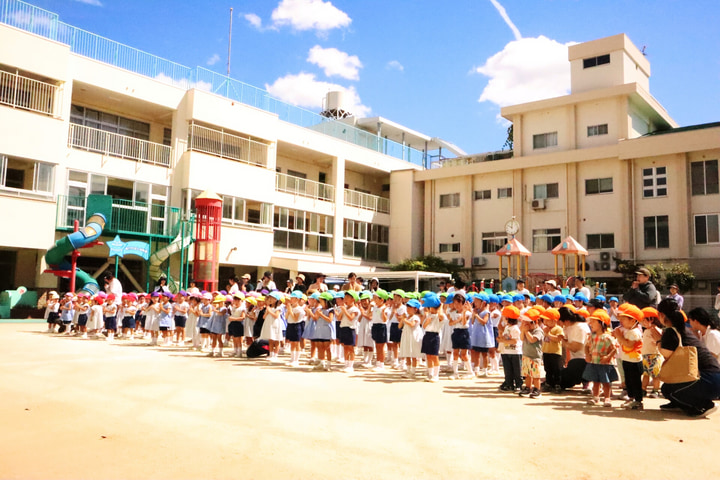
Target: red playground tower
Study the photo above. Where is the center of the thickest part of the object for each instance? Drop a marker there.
(208, 221)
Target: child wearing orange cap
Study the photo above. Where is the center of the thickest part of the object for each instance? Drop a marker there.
(599, 354)
(552, 349)
(651, 359)
(629, 338)
(532, 368)
(509, 346)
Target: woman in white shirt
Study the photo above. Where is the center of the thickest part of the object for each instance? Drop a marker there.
(706, 329)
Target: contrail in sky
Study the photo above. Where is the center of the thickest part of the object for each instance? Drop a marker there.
(504, 15)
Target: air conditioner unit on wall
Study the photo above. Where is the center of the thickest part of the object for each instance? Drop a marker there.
(538, 204)
(460, 261)
(606, 256)
(479, 261)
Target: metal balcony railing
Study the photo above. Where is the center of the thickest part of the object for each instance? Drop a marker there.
(128, 217)
(303, 187)
(116, 145)
(81, 42)
(367, 201)
(221, 144)
(26, 93)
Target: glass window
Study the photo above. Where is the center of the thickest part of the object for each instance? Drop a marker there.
(600, 241)
(493, 241)
(656, 232)
(654, 182)
(704, 177)
(598, 185)
(544, 240)
(547, 190)
(504, 192)
(707, 229)
(450, 200)
(594, 130)
(481, 195)
(544, 140)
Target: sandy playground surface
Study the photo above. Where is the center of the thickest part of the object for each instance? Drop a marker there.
(75, 409)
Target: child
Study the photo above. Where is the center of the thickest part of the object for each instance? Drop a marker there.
(52, 310)
(552, 349)
(165, 319)
(95, 321)
(459, 315)
(250, 317)
(599, 353)
(431, 324)
(495, 315)
(205, 312)
(110, 310)
(143, 302)
(336, 347)
(364, 334)
(311, 309)
(532, 337)
(324, 318)
(481, 336)
(446, 332)
(83, 308)
(652, 360)
(509, 341)
(629, 337)
(180, 314)
(349, 316)
(410, 341)
(217, 325)
(397, 312)
(296, 320)
(67, 312)
(378, 327)
(193, 315)
(128, 321)
(236, 325)
(273, 325)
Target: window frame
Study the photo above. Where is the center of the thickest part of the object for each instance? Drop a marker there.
(658, 222)
(602, 245)
(452, 200)
(545, 140)
(555, 186)
(596, 61)
(654, 182)
(482, 194)
(490, 240)
(705, 170)
(507, 192)
(599, 181)
(597, 130)
(449, 247)
(547, 234)
(711, 238)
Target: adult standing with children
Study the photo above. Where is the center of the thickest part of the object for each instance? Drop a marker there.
(642, 293)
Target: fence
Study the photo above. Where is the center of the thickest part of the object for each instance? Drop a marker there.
(27, 94)
(116, 145)
(367, 201)
(303, 187)
(226, 145)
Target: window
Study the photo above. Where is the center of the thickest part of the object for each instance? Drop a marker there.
(595, 130)
(707, 229)
(654, 182)
(27, 175)
(544, 140)
(108, 122)
(595, 61)
(167, 136)
(481, 195)
(303, 231)
(504, 192)
(493, 241)
(598, 185)
(704, 177)
(450, 200)
(600, 241)
(545, 240)
(546, 190)
(657, 232)
(366, 240)
(449, 247)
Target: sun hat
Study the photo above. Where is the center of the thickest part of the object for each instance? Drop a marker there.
(315, 296)
(206, 296)
(399, 292)
(550, 314)
(493, 299)
(296, 294)
(53, 294)
(327, 296)
(219, 299)
(247, 275)
(382, 294)
(642, 271)
(650, 312)
(239, 295)
(579, 297)
(631, 311)
(601, 316)
(353, 294)
(413, 302)
(276, 295)
(252, 300)
(511, 311)
(366, 295)
(530, 315)
(518, 298)
(431, 300)
(613, 299)
(506, 298)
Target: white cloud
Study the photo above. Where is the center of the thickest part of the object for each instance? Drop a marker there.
(335, 63)
(304, 90)
(214, 59)
(525, 70)
(394, 65)
(309, 15)
(503, 13)
(253, 20)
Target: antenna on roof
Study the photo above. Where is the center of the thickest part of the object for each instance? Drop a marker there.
(229, 43)
(643, 51)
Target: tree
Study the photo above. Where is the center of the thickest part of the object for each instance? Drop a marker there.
(661, 275)
(428, 263)
(509, 140)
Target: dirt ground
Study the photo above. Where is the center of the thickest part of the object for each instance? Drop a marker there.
(73, 409)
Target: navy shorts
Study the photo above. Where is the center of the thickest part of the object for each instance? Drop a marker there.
(140, 320)
(82, 319)
(460, 339)
(379, 333)
(53, 317)
(128, 322)
(204, 331)
(320, 340)
(347, 336)
(110, 323)
(294, 332)
(395, 333)
(496, 332)
(431, 343)
(236, 329)
(180, 321)
(481, 349)
(164, 329)
(337, 328)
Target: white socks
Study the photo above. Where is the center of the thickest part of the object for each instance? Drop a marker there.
(455, 368)
(468, 368)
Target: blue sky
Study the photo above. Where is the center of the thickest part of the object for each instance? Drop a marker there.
(441, 68)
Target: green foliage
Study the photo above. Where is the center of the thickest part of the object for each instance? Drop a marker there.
(428, 263)
(661, 275)
(509, 140)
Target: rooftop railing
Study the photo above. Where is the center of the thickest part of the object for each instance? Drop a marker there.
(470, 159)
(221, 144)
(26, 93)
(116, 145)
(303, 187)
(367, 201)
(47, 24)
(128, 217)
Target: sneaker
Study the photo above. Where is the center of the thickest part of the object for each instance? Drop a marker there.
(586, 391)
(211, 354)
(453, 377)
(670, 406)
(505, 388)
(535, 393)
(702, 412)
(626, 403)
(634, 405)
(558, 389)
(524, 390)
(594, 401)
(468, 376)
(607, 403)
(653, 394)
(624, 396)
(317, 367)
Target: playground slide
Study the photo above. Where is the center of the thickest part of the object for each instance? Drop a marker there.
(55, 257)
(161, 255)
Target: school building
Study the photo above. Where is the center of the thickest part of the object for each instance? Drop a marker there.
(303, 192)
(606, 164)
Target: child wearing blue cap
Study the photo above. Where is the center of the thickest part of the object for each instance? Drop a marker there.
(295, 315)
(495, 317)
(379, 329)
(481, 336)
(433, 319)
(460, 314)
(349, 315)
(411, 337)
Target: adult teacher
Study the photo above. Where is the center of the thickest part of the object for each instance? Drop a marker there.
(694, 398)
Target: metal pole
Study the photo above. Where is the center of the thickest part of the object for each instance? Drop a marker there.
(75, 254)
(229, 42)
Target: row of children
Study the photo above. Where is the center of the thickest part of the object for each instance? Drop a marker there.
(565, 341)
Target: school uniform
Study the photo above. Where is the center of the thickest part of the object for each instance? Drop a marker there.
(364, 333)
(180, 313)
(95, 320)
(410, 343)
(110, 317)
(348, 327)
(203, 322)
(272, 328)
(446, 335)
(128, 320)
(236, 328)
(324, 330)
(82, 314)
(481, 336)
(249, 324)
(218, 321)
(294, 331)
(395, 332)
(310, 324)
(165, 320)
(152, 317)
(431, 339)
(460, 334)
(378, 328)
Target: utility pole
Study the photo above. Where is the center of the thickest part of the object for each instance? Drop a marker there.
(229, 42)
